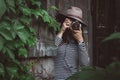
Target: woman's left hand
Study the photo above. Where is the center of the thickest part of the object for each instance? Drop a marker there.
(77, 34)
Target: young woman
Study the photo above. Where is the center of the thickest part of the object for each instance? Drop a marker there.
(71, 50)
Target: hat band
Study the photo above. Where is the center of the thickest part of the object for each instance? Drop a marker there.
(74, 16)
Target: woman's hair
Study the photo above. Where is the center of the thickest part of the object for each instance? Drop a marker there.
(60, 18)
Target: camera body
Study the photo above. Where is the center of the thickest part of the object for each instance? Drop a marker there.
(75, 25)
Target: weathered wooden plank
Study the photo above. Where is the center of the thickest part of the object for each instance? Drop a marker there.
(44, 44)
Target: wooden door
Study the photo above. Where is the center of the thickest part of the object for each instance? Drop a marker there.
(105, 16)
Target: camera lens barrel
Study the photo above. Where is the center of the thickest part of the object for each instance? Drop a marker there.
(75, 25)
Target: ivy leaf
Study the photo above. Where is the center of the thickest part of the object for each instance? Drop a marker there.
(23, 35)
(32, 30)
(1, 43)
(54, 7)
(31, 41)
(36, 13)
(2, 71)
(5, 30)
(17, 27)
(12, 9)
(7, 18)
(19, 2)
(6, 34)
(10, 53)
(5, 25)
(21, 32)
(2, 7)
(46, 18)
(26, 76)
(38, 3)
(53, 24)
(13, 33)
(18, 43)
(11, 70)
(11, 5)
(25, 20)
(23, 52)
(10, 45)
(26, 11)
(29, 77)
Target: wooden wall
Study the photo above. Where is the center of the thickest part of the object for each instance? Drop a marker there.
(43, 53)
(106, 20)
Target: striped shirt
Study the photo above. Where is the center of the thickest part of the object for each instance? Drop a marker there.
(69, 57)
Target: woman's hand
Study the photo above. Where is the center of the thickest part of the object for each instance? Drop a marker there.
(77, 34)
(66, 24)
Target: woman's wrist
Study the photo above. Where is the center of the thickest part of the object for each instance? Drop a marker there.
(80, 40)
(62, 31)
(60, 34)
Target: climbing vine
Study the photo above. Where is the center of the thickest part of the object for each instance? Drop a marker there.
(17, 35)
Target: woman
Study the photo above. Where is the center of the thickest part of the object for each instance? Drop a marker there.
(71, 50)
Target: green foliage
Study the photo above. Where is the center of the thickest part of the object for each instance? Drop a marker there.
(17, 35)
(113, 36)
(2, 7)
(111, 72)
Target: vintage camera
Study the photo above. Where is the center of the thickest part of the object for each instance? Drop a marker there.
(75, 25)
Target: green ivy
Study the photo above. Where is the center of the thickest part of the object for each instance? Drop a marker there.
(17, 35)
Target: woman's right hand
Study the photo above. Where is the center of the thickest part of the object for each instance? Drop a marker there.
(66, 24)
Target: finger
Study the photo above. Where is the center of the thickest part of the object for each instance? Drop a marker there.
(68, 20)
(77, 31)
(80, 27)
(68, 24)
(74, 31)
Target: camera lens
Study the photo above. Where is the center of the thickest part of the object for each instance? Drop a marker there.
(75, 25)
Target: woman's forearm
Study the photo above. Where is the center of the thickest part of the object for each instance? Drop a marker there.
(83, 55)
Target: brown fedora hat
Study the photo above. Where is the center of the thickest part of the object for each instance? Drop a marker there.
(75, 13)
